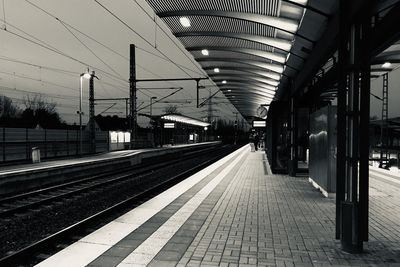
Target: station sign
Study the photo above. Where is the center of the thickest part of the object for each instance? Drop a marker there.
(259, 124)
(169, 125)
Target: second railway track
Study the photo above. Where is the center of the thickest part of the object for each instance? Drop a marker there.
(150, 180)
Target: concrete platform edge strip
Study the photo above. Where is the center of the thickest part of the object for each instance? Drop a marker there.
(149, 248)
(84, 251)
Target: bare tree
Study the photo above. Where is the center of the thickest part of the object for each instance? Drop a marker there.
(170, 109)
(39, 102)
(7, 108)
(41, 111)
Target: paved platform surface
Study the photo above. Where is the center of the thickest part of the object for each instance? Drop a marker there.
(235, 213)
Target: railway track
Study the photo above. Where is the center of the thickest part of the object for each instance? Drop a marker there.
(20, 203)
(27, 256)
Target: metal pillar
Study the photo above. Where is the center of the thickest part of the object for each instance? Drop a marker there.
(197, 92)
(132, 96)
(353, 127)
(236, 128)
(92, 130)
(292, 164)
(80, 115)
(151, 105)
(384, 159)
(126, 108)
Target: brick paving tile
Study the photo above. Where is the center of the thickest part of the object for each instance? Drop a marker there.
(274, 220)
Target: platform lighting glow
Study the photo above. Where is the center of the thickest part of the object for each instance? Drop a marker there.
(224, 82)
(216, 70)
(301, 2)
(387, 65)
(205, 52)
(186, 120)
(87, 75)
(185, 22)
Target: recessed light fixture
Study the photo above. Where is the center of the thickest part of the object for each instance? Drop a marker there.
(229, 90)
(224, 82)
(185, 22)
(216, 70)
(205, 52)
(387, 65)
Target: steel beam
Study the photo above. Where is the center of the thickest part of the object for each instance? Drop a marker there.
(386, 31)
(243, 77)
(243, 71)
(275, 57)
(283, 24)
(274, 68)
(132, 96)
(353, 123)
(92, 130)
(280, 44)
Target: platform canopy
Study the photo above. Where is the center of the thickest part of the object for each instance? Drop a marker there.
(249, 47)
(185, 120)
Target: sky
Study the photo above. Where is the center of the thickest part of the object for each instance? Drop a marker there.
(393, 92)
(45, 51)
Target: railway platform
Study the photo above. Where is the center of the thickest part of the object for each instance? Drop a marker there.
(18, 178)
(236, 213)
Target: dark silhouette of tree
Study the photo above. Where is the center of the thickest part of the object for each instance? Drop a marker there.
(7, 108)
(39, 110)
(171, 109)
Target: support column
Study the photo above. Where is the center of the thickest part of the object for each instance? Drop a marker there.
(353, 127)
(132, 96)
(292, 164)
(92, 130)
(197, 93)
(384, 159)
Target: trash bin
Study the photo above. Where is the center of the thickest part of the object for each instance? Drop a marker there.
(35, 155)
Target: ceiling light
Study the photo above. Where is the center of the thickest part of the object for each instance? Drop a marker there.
(387, 65)
(185, 22)
(216, 70)
(205, 52)
(229, 90)
(224, 82)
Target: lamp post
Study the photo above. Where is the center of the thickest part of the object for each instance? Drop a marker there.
(151, 104)
(85, 75)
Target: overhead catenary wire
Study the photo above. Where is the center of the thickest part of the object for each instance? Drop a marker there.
(4, 14)
(98, 42)
(140, 36)
(91, 51)
(107, 74)
(202, 72)
(61, 53)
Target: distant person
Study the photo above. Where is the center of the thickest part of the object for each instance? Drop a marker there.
(256, 141)
(251, 141)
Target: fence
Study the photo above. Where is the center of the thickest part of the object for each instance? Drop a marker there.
(17, 143)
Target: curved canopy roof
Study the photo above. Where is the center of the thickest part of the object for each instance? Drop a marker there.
(184, 119)
(254, 44)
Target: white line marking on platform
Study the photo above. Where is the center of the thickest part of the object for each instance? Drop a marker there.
(92, 246)
(143, 254)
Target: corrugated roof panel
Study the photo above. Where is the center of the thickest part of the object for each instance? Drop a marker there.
(230, 55)
(218, 24)
(194, 41)
(262, 7)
